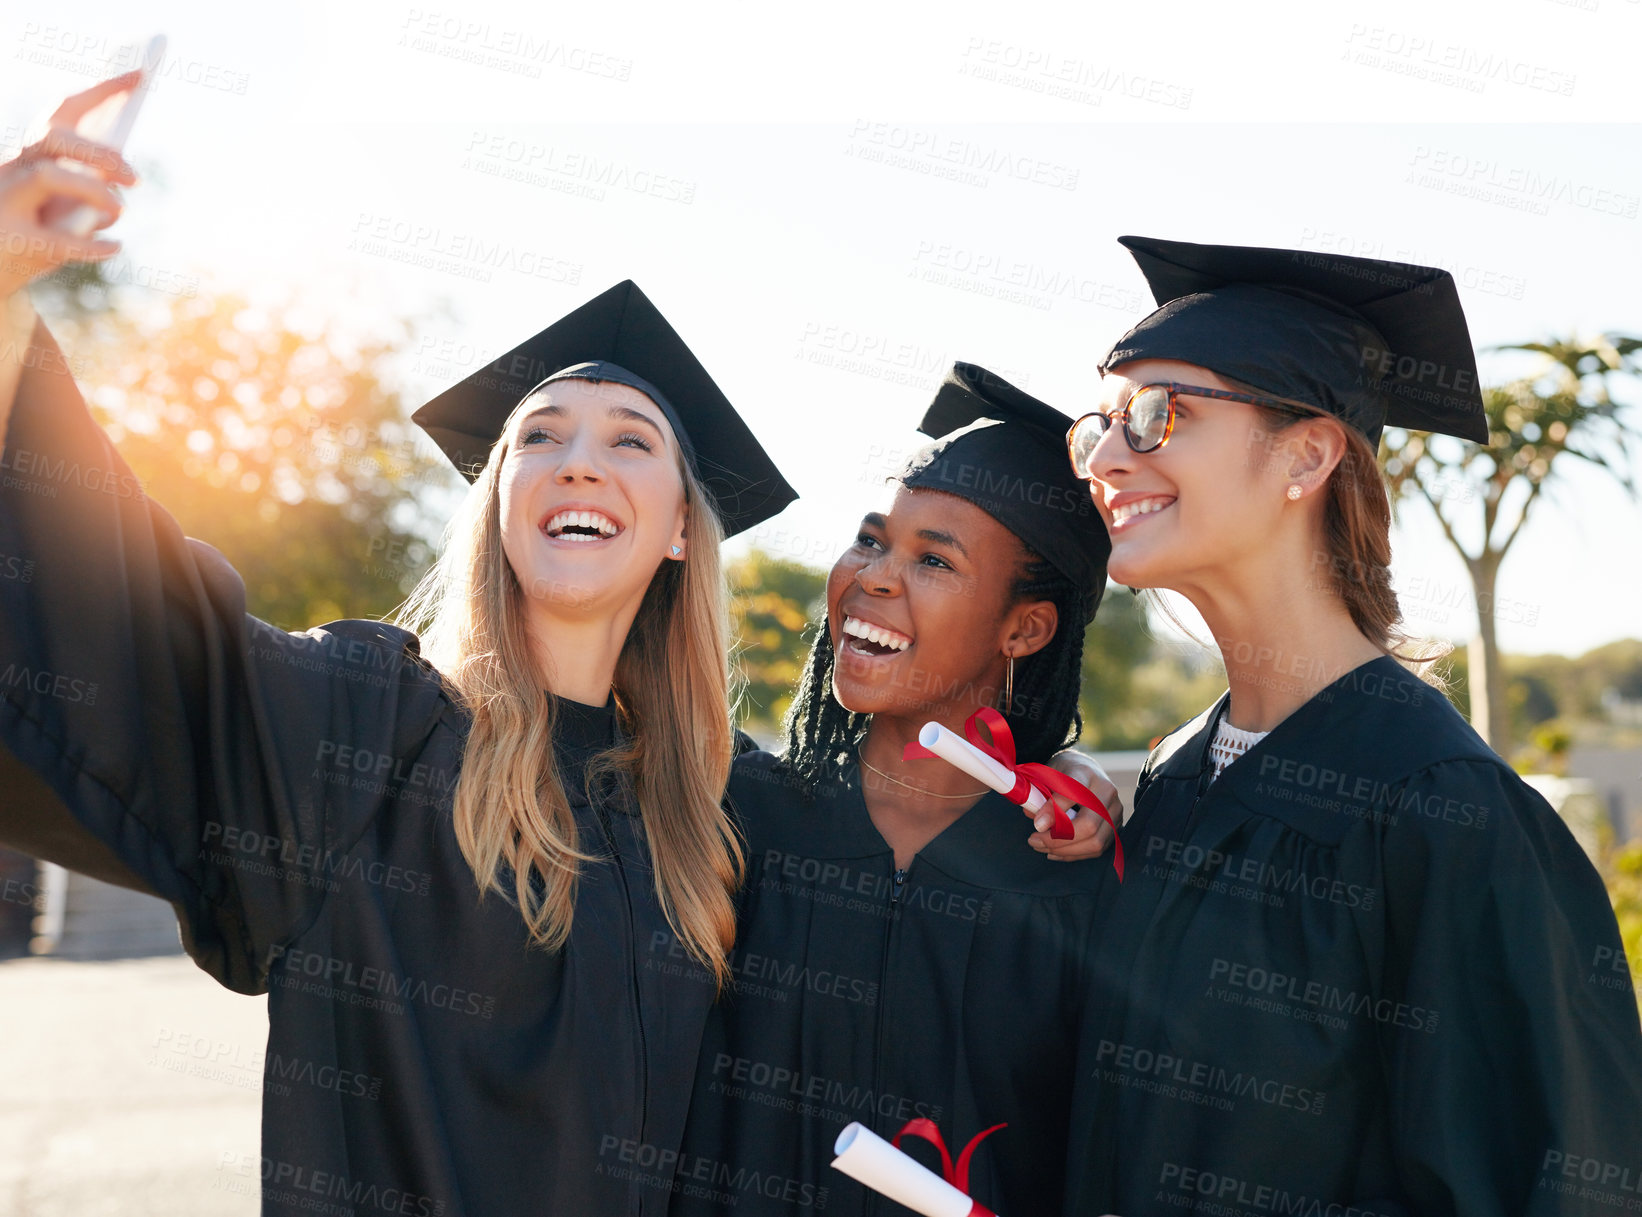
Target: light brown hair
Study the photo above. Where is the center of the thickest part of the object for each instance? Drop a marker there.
(672, 688)
(1356, 559)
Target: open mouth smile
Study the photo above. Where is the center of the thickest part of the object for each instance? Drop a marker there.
(870, 641)
(1134, 510)
(580, 527)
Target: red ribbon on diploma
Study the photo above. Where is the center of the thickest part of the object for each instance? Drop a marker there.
(1029, 774)
(957, 1176)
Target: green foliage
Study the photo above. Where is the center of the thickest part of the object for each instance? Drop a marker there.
(1133, 689)
(278, 443)
(772, 601)
(1565, 409)
(1622, 872)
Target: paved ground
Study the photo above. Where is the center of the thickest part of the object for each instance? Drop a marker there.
(126, 1085)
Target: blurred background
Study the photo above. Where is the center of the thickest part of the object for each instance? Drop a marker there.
(346, 210)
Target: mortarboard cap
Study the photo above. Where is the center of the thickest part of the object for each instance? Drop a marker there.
(1005, 451)
(618, 336)
(1367, 341)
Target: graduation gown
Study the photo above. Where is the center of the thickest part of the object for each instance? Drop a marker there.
(1366, 967)
(290, 795)
(950, 991)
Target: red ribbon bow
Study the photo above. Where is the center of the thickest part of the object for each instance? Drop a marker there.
(957, 1176)
(1029, 774)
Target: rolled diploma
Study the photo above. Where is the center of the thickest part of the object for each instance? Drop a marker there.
(955, 750)
(865, 1156)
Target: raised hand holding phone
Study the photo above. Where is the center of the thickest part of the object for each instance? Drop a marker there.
(38, 189)
(108, 124)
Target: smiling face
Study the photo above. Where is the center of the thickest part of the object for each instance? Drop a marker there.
(1207, 500)
(591, 497)
(920, 608)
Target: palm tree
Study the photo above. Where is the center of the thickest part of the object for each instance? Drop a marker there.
(1561, 410)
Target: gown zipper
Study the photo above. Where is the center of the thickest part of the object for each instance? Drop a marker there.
(633, 973)
(898, 883)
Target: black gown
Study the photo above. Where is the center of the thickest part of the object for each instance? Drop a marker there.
(289, 794)
(1366, 967)
(951, 991)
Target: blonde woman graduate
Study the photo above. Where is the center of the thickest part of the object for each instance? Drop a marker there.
(446, 858)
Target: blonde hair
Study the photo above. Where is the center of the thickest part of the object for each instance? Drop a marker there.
(672, 685)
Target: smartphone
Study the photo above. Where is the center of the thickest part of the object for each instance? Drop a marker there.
(109, 123)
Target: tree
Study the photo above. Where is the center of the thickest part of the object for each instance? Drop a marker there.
(271, 437)
(1482, 497)
(773, 600)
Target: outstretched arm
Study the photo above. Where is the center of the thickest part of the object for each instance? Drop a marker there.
(151, 730)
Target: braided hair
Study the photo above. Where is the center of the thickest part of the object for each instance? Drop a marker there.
(821, 736)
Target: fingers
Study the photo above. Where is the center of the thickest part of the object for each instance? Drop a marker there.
(49, 180)
(26, 253)
(78, 105)
(47, 248)
(64, 143)
(1091, 837)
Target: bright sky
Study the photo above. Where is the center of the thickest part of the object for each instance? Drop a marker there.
(833, 206)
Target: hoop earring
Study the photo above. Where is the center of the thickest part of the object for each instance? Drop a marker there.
(1009, 686)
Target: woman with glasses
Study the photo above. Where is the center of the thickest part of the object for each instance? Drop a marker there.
(1358, 965)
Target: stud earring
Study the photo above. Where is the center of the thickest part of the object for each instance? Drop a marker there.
(1295, 491)
(677, 551)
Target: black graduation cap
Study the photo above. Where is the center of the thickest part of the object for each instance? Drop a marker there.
(1005, 451)
(618, 336)
(1368, 341)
